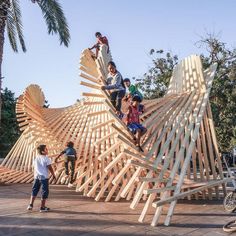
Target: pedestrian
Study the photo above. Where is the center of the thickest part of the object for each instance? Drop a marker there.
(42, 164)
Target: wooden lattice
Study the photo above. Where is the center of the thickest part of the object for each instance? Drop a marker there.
(180, 159)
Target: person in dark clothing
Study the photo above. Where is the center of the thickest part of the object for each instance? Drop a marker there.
(116, 85)
(69, 157)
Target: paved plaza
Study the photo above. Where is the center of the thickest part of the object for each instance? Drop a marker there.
(72, 214)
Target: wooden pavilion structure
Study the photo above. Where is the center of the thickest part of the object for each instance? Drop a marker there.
(180, 159)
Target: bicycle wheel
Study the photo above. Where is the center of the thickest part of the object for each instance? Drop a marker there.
(230, 202)
(230, 227)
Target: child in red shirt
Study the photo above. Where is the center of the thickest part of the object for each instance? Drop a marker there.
(133, 123)
(101, 40)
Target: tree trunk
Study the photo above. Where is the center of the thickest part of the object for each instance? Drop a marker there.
(3, 14)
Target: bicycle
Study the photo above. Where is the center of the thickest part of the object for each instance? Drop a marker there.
(230, 227)
(229, 202)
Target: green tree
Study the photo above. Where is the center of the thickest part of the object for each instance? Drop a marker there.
(10, 19)
(223, 94)
(9, 131)
(155, 82)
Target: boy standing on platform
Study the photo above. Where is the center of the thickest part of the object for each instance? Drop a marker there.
(42, 164)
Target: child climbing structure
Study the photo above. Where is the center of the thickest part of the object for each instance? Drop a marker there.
(180, 146)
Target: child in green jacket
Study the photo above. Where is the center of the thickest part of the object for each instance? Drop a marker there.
(133, 92)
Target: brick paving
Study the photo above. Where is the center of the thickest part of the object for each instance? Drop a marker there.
(72, 214)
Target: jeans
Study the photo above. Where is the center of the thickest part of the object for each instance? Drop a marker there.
(36, 187)
(133, 127)
(70, 159)
(116, 98)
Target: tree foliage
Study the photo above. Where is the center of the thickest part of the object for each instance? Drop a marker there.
(10, 18)
(155, 82)
(9, 131)
(223, 94)
(52, 13)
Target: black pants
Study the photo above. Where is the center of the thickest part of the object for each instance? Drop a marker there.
(70, 159)
(116, 98)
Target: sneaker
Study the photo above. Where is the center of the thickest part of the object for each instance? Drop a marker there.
(70, 185)
(30, 207)
(44, 209)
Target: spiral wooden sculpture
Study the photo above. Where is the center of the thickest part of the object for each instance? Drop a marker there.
(180, 158)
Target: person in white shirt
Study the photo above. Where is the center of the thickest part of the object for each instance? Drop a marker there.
(42, 164)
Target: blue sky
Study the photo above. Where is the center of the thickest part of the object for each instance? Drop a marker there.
(133, 27)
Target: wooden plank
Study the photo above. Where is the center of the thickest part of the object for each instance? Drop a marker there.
(184, 194)
(90, 85)
(188, 156)
(96, 95)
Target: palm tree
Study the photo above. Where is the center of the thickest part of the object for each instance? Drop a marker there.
(10, 19)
